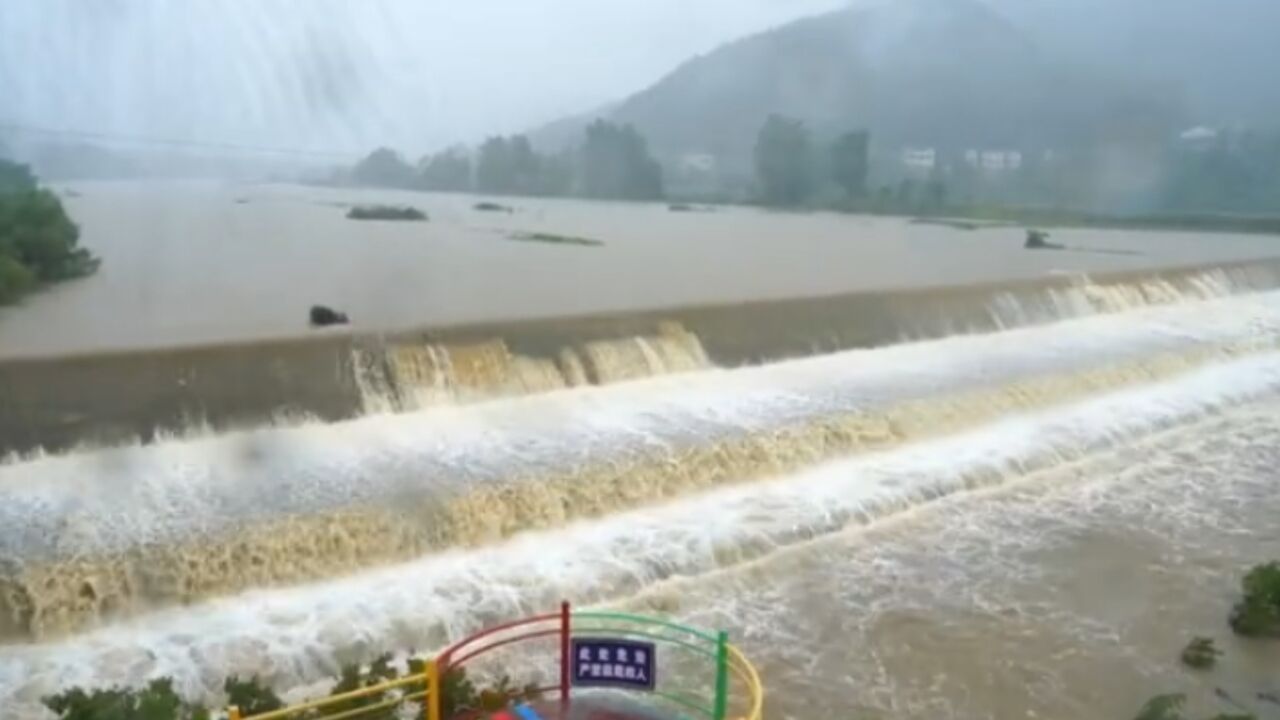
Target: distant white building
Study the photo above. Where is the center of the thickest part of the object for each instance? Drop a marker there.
(994, 161)
(919, 159)
(697, 163)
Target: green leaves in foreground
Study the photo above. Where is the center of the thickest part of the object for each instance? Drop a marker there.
(157, 702)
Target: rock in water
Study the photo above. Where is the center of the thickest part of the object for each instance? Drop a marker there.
(1039, 240)
(322, 316)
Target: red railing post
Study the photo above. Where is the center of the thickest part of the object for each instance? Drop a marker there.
(566, 661)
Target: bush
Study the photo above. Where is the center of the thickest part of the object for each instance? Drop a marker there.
(1257, 614)
(35, 231)
(385, 212)
(157, 702)
(37, 238)
(15, 279)
(251, 696)
(458, 694)
(1200, 653)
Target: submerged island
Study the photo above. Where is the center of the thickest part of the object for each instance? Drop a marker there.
(403, 213)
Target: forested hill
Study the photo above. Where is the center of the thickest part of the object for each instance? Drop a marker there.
(941, 73)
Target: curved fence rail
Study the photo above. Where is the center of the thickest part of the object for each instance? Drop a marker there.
(736, 681)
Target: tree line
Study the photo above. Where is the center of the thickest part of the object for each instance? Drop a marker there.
(38, 241)
(792, 169)
(612, 162)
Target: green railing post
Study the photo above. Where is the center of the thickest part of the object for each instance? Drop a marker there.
(722, 676)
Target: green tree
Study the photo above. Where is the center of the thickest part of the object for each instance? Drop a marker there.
(616, 164)
(555, 175)
(508, 166)
(784, 163)
(849, 160)
(384, 168)
(1257, 614)
(15, 177)
(36, 232)
(448, 171)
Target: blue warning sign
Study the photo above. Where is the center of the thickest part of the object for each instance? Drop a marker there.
(609, 662)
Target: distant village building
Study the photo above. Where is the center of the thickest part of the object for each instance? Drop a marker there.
(994, 161)
(919, 160)
(697, 163)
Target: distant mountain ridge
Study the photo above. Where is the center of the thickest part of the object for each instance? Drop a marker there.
(936, 73)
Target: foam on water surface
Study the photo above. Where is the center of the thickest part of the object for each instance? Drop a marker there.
(293, 636)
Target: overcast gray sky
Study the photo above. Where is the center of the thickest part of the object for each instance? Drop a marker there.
(346, 74)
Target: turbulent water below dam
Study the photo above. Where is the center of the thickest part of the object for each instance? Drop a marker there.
(1019, 522)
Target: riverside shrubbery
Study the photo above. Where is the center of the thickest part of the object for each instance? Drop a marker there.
(158, 701)
(37, 239)
(1255, 615)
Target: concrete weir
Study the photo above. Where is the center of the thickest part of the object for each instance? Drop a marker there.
(56, 403)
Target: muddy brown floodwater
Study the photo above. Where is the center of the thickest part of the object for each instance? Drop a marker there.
(187, 262)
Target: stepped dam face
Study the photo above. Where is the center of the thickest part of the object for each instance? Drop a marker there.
(54, 403)
(100, 535)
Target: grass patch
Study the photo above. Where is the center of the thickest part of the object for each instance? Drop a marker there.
(386, 212)
(555, 239)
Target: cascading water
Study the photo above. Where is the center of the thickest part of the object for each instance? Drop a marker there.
(594, 490)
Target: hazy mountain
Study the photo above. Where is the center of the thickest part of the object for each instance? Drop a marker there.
(1217, 55)
(944, 73)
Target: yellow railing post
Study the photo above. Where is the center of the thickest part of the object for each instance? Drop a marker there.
(433, 690)
(233, 713)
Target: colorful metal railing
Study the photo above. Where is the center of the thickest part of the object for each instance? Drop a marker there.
(729, 662)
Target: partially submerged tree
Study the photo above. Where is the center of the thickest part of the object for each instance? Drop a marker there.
(384, 168)
(1257, 614)
(38, 241)
(784, 165)
(616, 164)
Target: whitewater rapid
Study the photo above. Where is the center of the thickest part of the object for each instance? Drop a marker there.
(297, 635)
(112, 499)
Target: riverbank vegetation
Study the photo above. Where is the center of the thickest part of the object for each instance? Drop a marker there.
(159, 701)
(38, 241)
(1256, 615)
(793, 170)
(1231, 185)
(611, 163)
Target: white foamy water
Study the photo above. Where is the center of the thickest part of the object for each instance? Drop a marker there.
(115, 499)
(292, 636)
(1068, 596)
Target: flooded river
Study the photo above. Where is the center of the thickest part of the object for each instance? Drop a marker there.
(201, 262)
